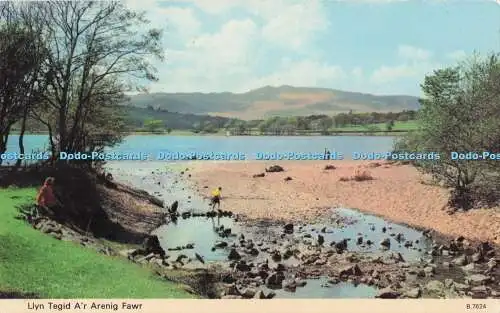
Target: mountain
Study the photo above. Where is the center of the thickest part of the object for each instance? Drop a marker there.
(270, 101)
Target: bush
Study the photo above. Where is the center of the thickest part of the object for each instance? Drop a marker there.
(361, 175)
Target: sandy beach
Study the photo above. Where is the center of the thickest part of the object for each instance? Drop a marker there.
(397, 192)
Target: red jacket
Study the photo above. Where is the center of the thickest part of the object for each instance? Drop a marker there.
(46, 196)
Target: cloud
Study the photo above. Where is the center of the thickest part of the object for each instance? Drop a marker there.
(457, 55)
(413, 53)
(295, 25)
(302, 73)
(416, 63)
(264, 43)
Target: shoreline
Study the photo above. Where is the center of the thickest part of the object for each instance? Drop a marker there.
(188, 134)
(398, 193)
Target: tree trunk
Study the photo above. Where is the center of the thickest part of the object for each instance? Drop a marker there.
(4, 138)
(21, 135)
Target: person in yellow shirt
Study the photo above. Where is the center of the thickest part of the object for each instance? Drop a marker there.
(216, 194)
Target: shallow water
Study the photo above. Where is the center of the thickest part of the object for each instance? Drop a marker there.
(203, 232)
(355, 224)
(200, 231)
(315, 290)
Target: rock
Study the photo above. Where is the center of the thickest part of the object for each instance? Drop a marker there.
(249, 293)
(146, 258)
(173, 207)
(478, 280)
(321, 240)
(151, 244)
(276, 256)
(333, 280)
(271, 295)
(469, 267)
(435, 287)
(351, 270)
(128, 253)
(492, 264)
(477, 257)
(231, 289)
(275, 280)
(413, 293)
(461, 287)
(300, 283)
(429, 270)
(280, 267)
(461, 261)
(228, 279)
(242, 266)
(259, 175)
(287, 254)
(260, 295)
(479, 292)
(289, 285)
(275, 169)
(288, 178)
(234, 255)
(329, 167)
(253, 251)
(386, 243)
(341, 246)
(229, 297)
(220, 244)
(448, 283)
(446, 264)
(288, 229)
(484, 248)
(388, 293)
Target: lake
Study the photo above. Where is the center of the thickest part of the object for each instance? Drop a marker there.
(153, 145)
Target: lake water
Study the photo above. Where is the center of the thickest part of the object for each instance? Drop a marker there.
(156, 145)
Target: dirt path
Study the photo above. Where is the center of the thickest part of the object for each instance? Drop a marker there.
(397, 192)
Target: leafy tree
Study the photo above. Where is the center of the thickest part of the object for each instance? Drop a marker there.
(389, 125)
(154, 126)
(460, 113)
(99, 49)
(21, 76)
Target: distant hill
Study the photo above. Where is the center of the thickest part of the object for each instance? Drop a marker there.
(274, 101)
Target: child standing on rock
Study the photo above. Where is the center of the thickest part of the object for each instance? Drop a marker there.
(216, 194)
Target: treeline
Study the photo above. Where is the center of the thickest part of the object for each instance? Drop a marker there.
(322, 124)
(460, 112)
(65, 67)
(158, 120)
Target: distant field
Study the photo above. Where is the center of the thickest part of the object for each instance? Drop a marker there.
(398, 126)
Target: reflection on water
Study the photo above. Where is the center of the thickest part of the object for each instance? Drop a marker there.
(201, 231)
(315, 290)
(354, 224)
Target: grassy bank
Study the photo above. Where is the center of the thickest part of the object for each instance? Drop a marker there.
(34, 262)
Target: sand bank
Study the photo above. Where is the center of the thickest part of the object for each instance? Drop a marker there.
(397, 192)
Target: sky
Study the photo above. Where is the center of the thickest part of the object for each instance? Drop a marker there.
(369, 46)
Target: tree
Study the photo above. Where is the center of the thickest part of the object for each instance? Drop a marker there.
(389, 125)
(99, 49)
(461, 113)
(154, 126)
(325, 124)
(21, 55)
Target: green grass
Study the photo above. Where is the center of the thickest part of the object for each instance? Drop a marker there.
(34, 262)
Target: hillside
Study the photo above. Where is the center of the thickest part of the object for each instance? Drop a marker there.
(272, 101)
